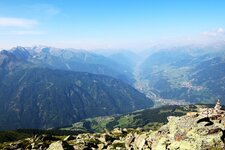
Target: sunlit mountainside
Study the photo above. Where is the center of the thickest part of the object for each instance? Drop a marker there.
(38, 91)
(37, 80)
(112, 74)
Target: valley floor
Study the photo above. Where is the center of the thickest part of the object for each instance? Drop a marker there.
(144, 87)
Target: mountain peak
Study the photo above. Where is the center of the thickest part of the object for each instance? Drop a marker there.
(21, 52)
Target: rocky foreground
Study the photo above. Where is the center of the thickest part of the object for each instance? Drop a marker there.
(189, 132)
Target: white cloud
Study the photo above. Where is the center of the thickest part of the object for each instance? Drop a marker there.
(214, 33)
(26, 32)
(220, 30)
(43, 10)
(17, 22)
(209, 33)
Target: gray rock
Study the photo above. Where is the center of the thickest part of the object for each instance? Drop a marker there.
(69, 138)
(118, 144)
(139, 141)
(60, 145)
(101, 146)
(117, 131)
(105, 138)
(128, 140)
(43, 138)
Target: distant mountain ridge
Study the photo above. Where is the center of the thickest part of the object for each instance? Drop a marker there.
(191, 76)
(73, 60)
(36, 96)
(182, 75)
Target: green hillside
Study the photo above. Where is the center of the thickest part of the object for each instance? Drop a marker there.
(146, 119)
(33, 96)
(183, 75)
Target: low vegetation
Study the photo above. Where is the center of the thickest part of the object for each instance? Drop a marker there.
(146, 119)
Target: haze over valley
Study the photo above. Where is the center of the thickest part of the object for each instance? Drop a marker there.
(37, 80)
(96, 74)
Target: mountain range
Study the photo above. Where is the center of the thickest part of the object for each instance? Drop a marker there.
(39, 91)
(193, 76)
(45, 87)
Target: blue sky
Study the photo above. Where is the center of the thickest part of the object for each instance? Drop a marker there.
(113, 24)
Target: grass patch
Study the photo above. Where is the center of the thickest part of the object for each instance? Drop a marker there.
(9, 136)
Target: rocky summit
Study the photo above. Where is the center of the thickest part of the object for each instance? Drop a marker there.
(192, 131)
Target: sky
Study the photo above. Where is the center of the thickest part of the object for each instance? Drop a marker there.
(110, 24)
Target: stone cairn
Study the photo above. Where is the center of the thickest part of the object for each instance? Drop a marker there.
(213, 113)
(218, 106)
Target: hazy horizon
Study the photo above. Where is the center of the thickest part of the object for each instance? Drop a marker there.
(111, 24)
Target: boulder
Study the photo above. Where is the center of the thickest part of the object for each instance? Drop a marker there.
(117, 131)
(188, 133)
(101, 146)
(43, 138)
(60, 145)
(69, 138)
(140, 141)
(128, 140)
(118, 144)
(105, 138)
